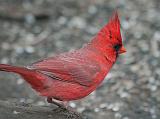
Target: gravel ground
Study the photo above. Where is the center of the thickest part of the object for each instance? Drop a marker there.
(35, 29)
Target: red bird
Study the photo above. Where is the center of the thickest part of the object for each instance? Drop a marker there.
(74, 75)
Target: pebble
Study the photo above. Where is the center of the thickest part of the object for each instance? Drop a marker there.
(118, 115)
(125, 24)
(41, 103)
(62, 20)
(50, 116)
(81, 109)
(115, 108)
(37, 29)
(158, 71)
(103, 105)
(20, 81)
(77, 22)
(125, 117)
(22, 100)
(4, 60)
(92, 30)
(73, 105)
(96, 110)
(153, 87)
(15, 112)
(29, 38)
(29, 49)
(144, 46)
(124, 94)
(92, 9)
(153, 112)
(19, 49)
(29, 18)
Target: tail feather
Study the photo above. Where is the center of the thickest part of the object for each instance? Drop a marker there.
(35, 79)
(15, 69)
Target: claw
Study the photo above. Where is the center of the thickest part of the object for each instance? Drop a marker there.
(62, 105)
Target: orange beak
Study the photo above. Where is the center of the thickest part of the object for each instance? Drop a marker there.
(122, 50)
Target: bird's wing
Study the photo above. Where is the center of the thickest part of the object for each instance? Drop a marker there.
(73, 68)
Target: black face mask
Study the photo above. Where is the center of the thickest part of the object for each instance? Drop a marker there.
(117, 47)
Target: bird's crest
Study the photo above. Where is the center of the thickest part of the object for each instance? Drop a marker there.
(111, 31)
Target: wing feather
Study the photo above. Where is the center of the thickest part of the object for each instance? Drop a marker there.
(71, 68)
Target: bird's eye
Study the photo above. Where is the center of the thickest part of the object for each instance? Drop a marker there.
(117, 47)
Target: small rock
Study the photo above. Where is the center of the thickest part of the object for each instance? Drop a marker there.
(103, 105)
(125, 117)
(30, 19)
(50, 116)
(62, 20)
(110, 106)
(92, 30)
(96, 110)
(4, 60)
(29, 49)
(20, 81)
(92, 9)
(15, 112)
(116, 108)
(125, 24)
(40, 103)
(80, 109)
(73, 105)
(19, 49)
(77, 22)
(118, 115)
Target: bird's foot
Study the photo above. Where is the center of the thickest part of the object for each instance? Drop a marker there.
(61, 105)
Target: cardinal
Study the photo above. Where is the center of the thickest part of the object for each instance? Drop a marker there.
(74, 75)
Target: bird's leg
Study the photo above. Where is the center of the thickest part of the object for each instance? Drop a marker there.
(53, 101)
(62, 106)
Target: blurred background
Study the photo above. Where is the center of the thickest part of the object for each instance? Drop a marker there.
(36, 29)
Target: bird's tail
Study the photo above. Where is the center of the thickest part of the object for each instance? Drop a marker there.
(29, 75)
(15, 69)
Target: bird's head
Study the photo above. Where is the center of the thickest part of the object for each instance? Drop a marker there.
(110, 39)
